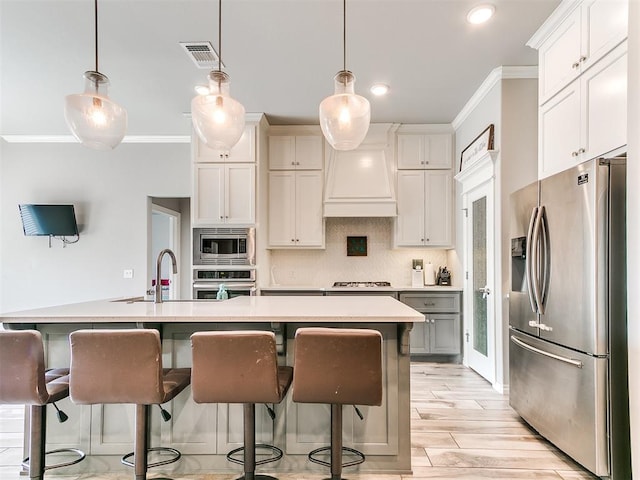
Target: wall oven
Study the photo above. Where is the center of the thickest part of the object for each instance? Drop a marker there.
(206, 283)
(224, 246)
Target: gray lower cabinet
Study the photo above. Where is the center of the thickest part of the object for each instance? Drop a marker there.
(440, 333)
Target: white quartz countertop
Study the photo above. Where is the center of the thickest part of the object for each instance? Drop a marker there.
(314, 309)
(426, 288)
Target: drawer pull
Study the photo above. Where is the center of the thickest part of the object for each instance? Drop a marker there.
(430, 304)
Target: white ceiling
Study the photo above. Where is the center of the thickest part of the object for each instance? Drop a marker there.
(281, 56)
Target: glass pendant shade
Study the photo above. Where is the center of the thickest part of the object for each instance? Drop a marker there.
(345, 116)
(217, 118)
(94, 119)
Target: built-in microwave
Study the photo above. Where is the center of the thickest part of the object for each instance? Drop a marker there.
(224, 246)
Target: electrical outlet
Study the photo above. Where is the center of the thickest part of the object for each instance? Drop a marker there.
(127, 273)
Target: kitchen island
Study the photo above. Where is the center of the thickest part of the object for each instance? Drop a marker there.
(205, 433)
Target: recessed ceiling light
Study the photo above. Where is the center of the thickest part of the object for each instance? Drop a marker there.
(480, 14)
(201, 89)
(379, 89)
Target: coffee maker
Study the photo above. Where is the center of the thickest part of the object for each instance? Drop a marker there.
(444, 277)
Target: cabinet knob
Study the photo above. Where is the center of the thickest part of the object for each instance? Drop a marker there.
(433, 320)
(574, 154)
(221, 217)
(427, 239)
(581, 150)
(575, 65)
(297, 239)
(297, 163)
(582, 59)
(293, 240)
(293, 163)
(427, 162)
(422, 239)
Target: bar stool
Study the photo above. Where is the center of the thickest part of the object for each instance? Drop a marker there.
(24, 381)
(338, 367)
(125, 366)
(240, 367)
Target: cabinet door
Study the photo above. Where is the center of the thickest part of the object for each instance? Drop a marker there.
(444, 335)
(411, 151)
(208, 194)
(438, 151)
(559, 132)
(438, 229)
(411, 197)
(282, 201)
(308, 207)
(604, 93)
(240, 187)
(419, 338)
(282, 153)
(606, 24)
(559, 56)
(309, 152)
(243, 151)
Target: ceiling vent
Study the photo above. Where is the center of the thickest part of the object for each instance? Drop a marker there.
(202, 54)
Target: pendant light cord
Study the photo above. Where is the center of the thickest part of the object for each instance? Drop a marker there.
(96, 30)
(344, 34)
(219, 35)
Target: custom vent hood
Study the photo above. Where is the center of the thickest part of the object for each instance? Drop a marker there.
(360, 182)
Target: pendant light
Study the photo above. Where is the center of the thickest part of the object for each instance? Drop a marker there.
(94, 119)
(217, 118)
(345, 116)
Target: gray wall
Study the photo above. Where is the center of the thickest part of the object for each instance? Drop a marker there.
(512, 106)
(110, 192)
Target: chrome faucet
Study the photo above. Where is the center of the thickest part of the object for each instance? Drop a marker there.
(158, 297)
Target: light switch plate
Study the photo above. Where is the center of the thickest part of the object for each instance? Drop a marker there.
(127, 273)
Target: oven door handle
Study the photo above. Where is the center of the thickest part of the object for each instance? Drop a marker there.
(228, 285)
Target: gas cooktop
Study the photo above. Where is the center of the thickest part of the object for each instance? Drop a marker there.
(362, 284)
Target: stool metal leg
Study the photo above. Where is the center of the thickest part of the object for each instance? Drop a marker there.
(249, 441)
(336, 442)
(141, 442)
(38, 419)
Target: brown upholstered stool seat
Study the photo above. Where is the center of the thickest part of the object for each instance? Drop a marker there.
(337, 366)
(125, 366)
(240, 367)
(24, 381)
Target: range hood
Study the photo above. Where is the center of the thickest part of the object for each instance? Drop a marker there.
(359, 183)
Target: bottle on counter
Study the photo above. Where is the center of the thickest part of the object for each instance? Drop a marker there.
(222, 292)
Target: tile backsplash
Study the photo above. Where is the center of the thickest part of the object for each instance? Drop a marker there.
(320, 268)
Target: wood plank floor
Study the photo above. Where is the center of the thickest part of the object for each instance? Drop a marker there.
(461, 428)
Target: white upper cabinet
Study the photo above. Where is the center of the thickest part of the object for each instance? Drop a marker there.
(295, 209)
(425, 209)
(580, 40)
(424, 151)
(242, 152)
(296, 152)
(224, 194)
(587, 118)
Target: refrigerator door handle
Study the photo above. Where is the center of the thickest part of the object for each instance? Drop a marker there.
(531, 348)
(545, 264)
(528, 262)
(535, 261)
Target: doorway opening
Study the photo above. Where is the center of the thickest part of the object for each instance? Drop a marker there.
(169, 227)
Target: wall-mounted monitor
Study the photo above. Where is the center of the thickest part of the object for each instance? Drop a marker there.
(50, 220)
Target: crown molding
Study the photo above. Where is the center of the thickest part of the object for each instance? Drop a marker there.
(72, 139)
(552, 22)
(496, 75)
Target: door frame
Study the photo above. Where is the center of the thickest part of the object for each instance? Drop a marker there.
(480, 175)
(175, 219)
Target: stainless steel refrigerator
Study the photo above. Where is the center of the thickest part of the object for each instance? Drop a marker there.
(568, 315)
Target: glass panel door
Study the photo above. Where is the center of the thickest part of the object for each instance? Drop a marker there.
(478, 298)
(479, 253)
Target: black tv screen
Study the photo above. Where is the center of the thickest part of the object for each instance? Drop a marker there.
(55, 220)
